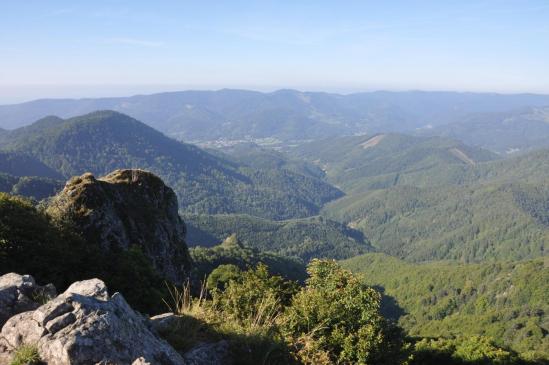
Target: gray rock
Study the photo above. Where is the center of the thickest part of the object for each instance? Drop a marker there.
(216, 353)
(89, 288)
(19, 293)
(163, 323)
(126, 208)
(85, 326)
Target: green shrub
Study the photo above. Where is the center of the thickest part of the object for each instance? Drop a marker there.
(339, 317)
(219, 278)
(255, 298)
(477, 350)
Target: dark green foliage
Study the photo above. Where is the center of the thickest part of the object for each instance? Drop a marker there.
(104, 141)
(33, 187)
(306, 238)
(535, 201)
(434, 198)
(221, 275)
(36, 188)
(507, 301)
(468, 223)
(26, 176)
(32, 244)
(336, 317)
(245, 313)
(207, 259)
(21, 165)
(475, 350)
(255, 297)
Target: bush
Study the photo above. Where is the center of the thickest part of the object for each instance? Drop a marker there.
(477, 350)
(256, 298)
(334, 319)
(220, 277)
(338, 318)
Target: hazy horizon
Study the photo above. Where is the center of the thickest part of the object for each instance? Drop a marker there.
(66, 49)
(38, 92)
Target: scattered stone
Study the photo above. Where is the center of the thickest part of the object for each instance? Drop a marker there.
(19, 293)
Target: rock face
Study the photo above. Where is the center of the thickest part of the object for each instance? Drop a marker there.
(19, 293)
(126, 208)
(84, 325)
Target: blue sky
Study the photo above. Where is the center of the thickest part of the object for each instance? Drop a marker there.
(90, 48)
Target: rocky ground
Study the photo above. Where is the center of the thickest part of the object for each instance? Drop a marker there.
(85, 325)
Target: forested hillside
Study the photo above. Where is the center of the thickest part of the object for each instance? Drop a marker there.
(103, 141)
(384, 159)
(253, 155)
(231, 254)
(24, 175)
(17, 164)
(466, 223)
(507, 301)
(306, 238)
(33, 187)
(435, 198)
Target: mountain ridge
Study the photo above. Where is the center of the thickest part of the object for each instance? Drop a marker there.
(283, 114)
(103, 141)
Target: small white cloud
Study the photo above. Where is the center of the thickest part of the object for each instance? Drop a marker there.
(134, 42)
(59, 12)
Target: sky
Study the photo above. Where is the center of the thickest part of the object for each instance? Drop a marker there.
(95, 48)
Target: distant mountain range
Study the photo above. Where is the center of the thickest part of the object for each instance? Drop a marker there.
(285, 114)
(504, 132)
(205, 183)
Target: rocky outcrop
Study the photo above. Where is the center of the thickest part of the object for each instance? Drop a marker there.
(20, 293)
(217, 353)
(85, 325)
(126, 208)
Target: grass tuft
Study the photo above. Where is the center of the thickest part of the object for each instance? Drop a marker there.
(26, 355)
